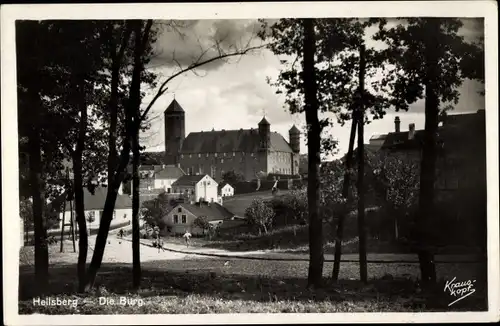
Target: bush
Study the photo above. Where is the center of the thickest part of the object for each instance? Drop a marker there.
(290, 208)
(259, 214)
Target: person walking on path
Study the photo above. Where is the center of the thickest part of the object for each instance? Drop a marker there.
(187, 237)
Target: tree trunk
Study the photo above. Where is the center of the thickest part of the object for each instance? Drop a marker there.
(132, 106)
(107, 216)
(37, 193)
(428, 164)
(79, 198)
(345, 195)
(117, 59)
(316, 257)
(136, 258)
(361, 171)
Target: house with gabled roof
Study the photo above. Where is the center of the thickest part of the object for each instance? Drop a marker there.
(245, 151)
(181, 218)
(226, 190)
(196, 188)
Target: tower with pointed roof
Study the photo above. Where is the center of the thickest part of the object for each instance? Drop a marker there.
(294, 134)
(175, 131)
(264, 134)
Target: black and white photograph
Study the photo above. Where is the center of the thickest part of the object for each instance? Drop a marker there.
(275, 162)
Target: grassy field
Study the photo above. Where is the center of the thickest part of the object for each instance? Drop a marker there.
(198, 285)
(240, 286)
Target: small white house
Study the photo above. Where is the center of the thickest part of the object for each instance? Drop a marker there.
(164, 178)
(196, 187)
(226, 190)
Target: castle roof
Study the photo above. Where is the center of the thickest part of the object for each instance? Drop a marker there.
(174, 107)
(243, 140)
(294, 130)
(264, 122)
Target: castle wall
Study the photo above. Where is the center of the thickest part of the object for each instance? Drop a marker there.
(216, 164)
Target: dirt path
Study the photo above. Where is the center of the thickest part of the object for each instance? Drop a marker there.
(203, 252)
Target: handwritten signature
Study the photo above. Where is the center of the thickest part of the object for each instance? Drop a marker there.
(460, 290)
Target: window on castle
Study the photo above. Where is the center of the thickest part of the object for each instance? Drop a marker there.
(183, 219)
(179, 210)
(176, 219)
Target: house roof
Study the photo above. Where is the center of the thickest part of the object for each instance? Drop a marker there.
(174, 107)
(153, 158)
(378, 137)
(148, 167)
(212, 211)
(96, 201)
(169, 172)
(222, 185)
(188, 180)
(400, 140)
(243, 140)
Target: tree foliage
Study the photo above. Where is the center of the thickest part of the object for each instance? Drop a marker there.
(260, 215)
(406, 56)
(232, 177)
(153, 211)
(202, 223)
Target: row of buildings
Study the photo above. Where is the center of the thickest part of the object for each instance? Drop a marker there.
(461, 149)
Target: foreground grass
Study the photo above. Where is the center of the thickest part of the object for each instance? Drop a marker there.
(240, 286)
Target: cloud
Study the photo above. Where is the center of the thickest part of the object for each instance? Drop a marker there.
(183, 42)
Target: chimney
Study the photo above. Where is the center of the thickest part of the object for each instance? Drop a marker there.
(397, 124)
(411, 131)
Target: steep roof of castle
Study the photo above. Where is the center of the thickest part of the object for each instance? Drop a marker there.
(174, 107)
(243, 140)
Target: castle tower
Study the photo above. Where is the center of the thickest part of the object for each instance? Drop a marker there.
(175, 132)
(264, 134)
(294, 134)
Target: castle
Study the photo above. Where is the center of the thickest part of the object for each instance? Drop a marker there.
(244, 151)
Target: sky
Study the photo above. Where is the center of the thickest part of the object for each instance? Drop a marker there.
(234, 94)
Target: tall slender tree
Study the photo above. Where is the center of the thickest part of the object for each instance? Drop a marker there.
(360, 112)
(316, 258)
